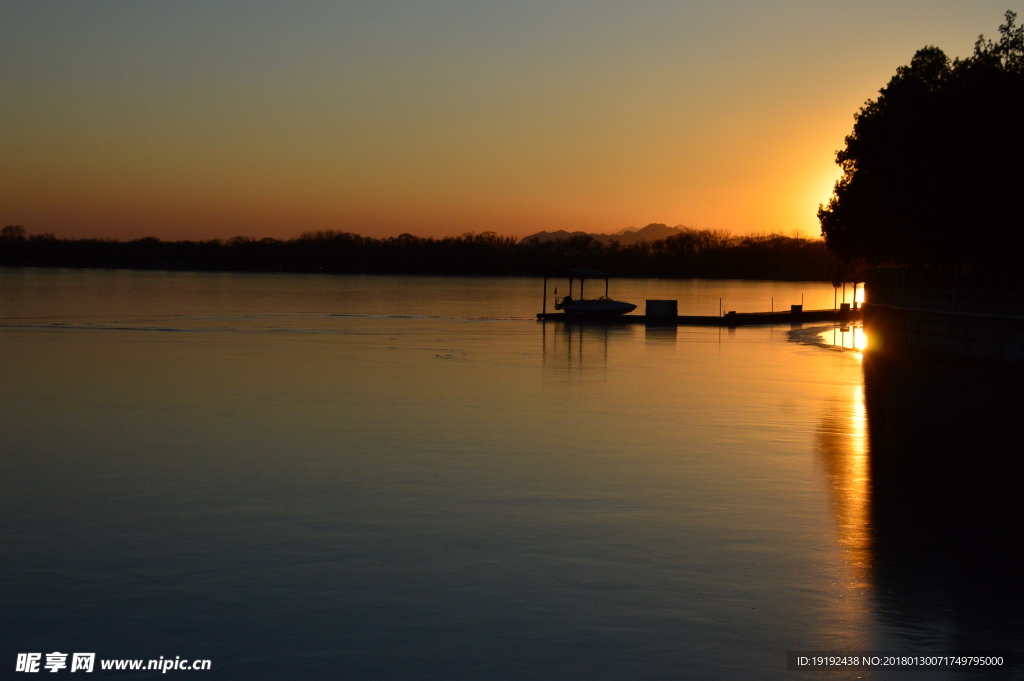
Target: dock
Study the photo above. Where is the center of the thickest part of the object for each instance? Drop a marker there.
(665, 312)
(730, 319)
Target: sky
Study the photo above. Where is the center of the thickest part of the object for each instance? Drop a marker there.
(211, 119)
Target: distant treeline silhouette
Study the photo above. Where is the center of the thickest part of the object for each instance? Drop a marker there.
(694, 253)
(933, 170)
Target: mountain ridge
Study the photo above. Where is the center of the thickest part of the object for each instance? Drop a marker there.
(655, 231)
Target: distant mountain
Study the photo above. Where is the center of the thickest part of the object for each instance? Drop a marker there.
(626, 236)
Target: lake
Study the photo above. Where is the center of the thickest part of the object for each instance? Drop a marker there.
(370, 477)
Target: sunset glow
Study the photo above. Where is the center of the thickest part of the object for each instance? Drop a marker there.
(201, 120)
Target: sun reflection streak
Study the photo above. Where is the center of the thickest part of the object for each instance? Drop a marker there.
(851, 337)
(843, 446)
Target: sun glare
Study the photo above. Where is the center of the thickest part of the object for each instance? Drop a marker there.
(847, 338)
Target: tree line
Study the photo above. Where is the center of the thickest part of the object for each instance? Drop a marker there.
(694, 253)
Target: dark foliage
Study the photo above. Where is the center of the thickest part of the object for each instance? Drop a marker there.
(933, 169)
(695, 253)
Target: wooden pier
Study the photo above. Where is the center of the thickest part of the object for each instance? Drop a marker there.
(729, 319)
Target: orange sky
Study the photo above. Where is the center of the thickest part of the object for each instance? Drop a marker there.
(213, 119)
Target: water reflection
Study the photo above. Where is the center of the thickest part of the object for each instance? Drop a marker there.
(946, 475)
(421, 491)
(925, 474)
(579, 346)
(661, 334)
(842, 446)
(846, 337)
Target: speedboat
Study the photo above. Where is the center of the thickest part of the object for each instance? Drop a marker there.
(585, 307)
(603, 306)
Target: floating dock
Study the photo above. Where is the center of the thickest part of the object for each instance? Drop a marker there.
(729, 319)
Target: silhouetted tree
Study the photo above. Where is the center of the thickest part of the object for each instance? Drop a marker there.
(13, 233)
(933, 169)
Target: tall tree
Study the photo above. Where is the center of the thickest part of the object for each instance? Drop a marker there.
(934, 167)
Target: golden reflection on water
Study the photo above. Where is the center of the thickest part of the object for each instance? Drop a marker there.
(580, 347)
(843, 447)
(850, 337)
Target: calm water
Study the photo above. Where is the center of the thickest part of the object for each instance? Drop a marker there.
(409, 478)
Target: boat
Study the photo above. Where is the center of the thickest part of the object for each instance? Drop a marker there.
(602, 306)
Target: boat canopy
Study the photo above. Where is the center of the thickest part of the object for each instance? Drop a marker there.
(575, 273)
